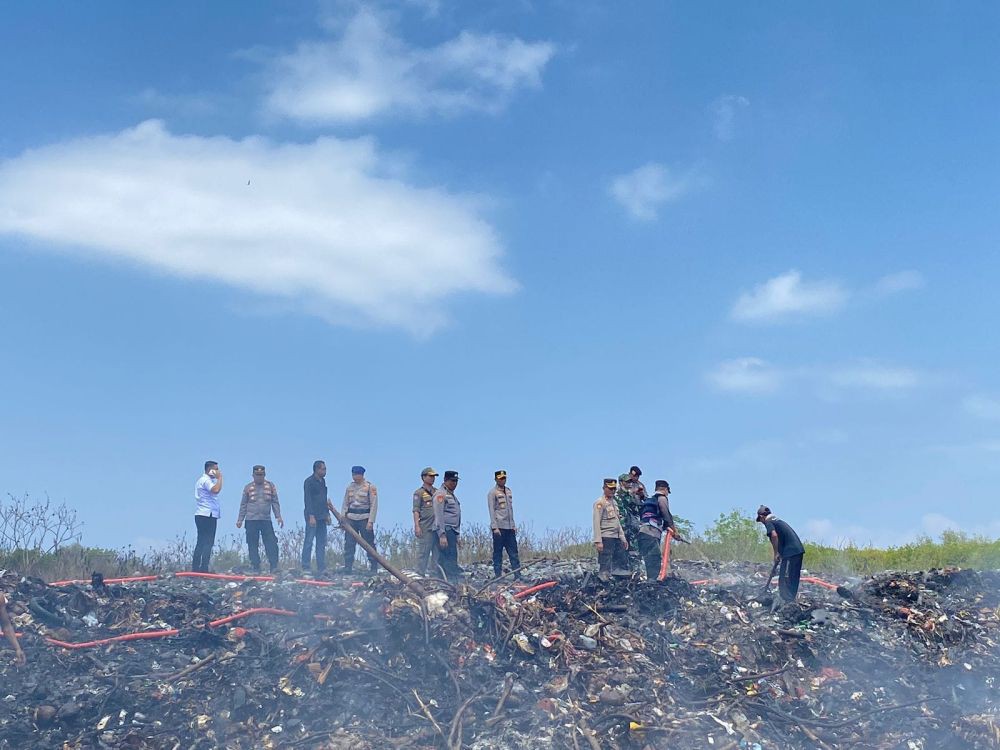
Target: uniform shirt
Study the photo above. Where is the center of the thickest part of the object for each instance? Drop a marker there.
(258, 501)
(607, 524)
(789, 543)
(447, 511)
(361, 502)
(423, 505)
(206, 501)
(668, 519)
(314, 491)
(500, 502)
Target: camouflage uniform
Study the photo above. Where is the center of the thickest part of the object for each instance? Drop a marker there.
(629, 497)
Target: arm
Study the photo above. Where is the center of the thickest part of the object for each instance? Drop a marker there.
(773, 537)
(347, 501)
(439, 514)
(217, 487)
(668, 517)
(597, 525)
(244, 501)
(276, 506)
(416, 512)
(491, 501)
(373, 496)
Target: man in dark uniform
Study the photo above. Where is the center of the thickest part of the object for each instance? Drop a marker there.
(788, 550)
(316, 511)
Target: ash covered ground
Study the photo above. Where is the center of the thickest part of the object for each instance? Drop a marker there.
(901, 660)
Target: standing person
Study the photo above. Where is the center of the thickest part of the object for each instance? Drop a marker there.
(609, 536)
(260, 498)
(629, 498)
(500, 503)
(447, 522)
(360, 508)
(788, 550)
(206, 514)
(423, 520)
(654, 519)
(317, 517)
(8, 631)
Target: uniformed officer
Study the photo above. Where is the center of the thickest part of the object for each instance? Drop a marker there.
(360, 508)
(447, 521)
(423, 521)
(609, 537)
(630, 497)
(500, 503)
(655, 518)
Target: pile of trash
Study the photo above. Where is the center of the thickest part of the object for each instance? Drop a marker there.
(563, 660)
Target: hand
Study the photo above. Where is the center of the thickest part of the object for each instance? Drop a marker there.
(416, 531)
(369, 526)
(239, 524)
(496, 532)
(312, 520)
(329, 506)
(20, 659)
(600, 546)
(443, 542)
(514, 529)
(777, 558)
(625, 544)
(281, 523)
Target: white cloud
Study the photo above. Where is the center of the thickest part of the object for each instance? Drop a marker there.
(724, 111)
(746, 375)
(984, 407)
(369, 71)
(322, 224)
(788, 295)
(642, 191)
(875, 376)
(903, 281)
(752, 375)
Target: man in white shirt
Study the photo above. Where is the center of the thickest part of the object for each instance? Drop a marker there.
(206, 514)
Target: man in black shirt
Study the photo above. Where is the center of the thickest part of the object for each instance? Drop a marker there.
(317, 505)
(788, 550)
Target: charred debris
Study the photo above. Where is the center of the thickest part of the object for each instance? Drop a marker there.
(900, 660)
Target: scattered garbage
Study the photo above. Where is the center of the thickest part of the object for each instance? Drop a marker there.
(900, 660)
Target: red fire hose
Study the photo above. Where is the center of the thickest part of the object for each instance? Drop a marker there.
(533, 589)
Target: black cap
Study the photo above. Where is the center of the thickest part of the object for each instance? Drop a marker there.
(763, 511)
(635, 470)
(450, 475)
(662, 484)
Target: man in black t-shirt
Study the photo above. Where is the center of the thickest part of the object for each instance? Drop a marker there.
(788, 550)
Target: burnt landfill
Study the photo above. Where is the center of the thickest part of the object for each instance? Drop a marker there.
(898, 660)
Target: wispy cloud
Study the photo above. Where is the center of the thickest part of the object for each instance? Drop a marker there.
(642, 191)
(329, 225)
(369, 71)
(724, 111)
(787, 296)
(752, 375)
(984, 407)
(903, 281)
(746, 375)
(875, 376)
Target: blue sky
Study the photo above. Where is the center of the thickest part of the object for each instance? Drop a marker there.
(748, 248)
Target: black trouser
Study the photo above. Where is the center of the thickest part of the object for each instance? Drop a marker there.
(613, 556)
(649, 549)
(317, 532)
(788, 577)
(448, 558)
(351, 544)
(206, 526)
(505, 540)
(256, 530)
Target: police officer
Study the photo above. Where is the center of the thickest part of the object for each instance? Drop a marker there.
(609, 536)
(654, 519)
(500, 503)
(423, 521)
(260, 499)
(359, 509)
(447, 522)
